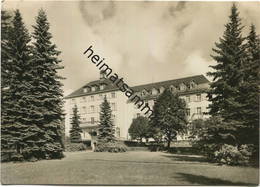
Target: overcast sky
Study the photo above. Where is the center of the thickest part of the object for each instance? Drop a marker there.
(143, 42)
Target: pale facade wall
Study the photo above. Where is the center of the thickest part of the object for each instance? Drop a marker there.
(124, 111)
(197, 103)
(89, 108)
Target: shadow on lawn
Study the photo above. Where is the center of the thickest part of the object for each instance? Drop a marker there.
(188, 158)
(202, 180)
(132, 161)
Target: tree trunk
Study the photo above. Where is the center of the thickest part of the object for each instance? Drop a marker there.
(168, 144)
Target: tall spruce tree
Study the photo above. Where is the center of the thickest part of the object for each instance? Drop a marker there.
(75, 131)
(47, 87)
(5, 76)
(106, 129)
(169, 116)
(249, 91)
(227, 75)
(5, 60)
(16, 127)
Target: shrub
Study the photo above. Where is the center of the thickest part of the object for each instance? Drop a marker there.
(113, 147)
(73, 147)
(232, 155)
(134, 143)
(156, 147)
(207, 150)
(17, 157)
(10, 155)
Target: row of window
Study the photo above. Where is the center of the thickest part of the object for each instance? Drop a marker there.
(181, 87)
(93, 120)
(190, 98)
(198, 111)
(94, 109)
(94, 97)
(94, 88)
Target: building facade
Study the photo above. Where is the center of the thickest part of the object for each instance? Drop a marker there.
(89, 98)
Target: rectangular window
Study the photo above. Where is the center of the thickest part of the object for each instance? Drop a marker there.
(198, 97)
(84, 99)
(113, 95)
(100, 97)
(93, 88)
(113, 118)
(113, 106)
(92, 98)
(182, 87)
(92, 109)
(118, 132)
(99, 107)
(84, 109)
(92, 120)
(138, 115)
(199, 110)
(188, 99)
(73, 101)
(188, 111)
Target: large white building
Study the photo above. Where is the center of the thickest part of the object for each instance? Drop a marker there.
(89, 98)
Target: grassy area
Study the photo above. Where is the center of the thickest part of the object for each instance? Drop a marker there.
(134, 167)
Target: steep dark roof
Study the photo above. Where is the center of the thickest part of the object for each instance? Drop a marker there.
(109, 87)
(198, 79)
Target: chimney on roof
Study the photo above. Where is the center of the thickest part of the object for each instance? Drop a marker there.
(102, 75)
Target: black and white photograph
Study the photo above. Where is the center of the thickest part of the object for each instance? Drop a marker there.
(130, 93)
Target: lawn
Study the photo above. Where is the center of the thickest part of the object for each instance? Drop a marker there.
(135, 167)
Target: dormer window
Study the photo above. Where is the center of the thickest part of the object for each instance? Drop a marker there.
(102, 75)
(162, 89)
(173, 88)
(93, 88)
(144, 92)
(102, 87)
(154, 91)
(85, 90)
(193, 85)
(182, 87)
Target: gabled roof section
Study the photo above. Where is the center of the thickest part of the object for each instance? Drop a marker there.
(198, 79)
(80, 92)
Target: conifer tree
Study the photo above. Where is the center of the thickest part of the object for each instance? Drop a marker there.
(5, 60)
(249, 91)
(5, 76)
(47, 87)
(16, 126)
(75, 131)
(106, 129)
(169, 116)
(227, 75)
